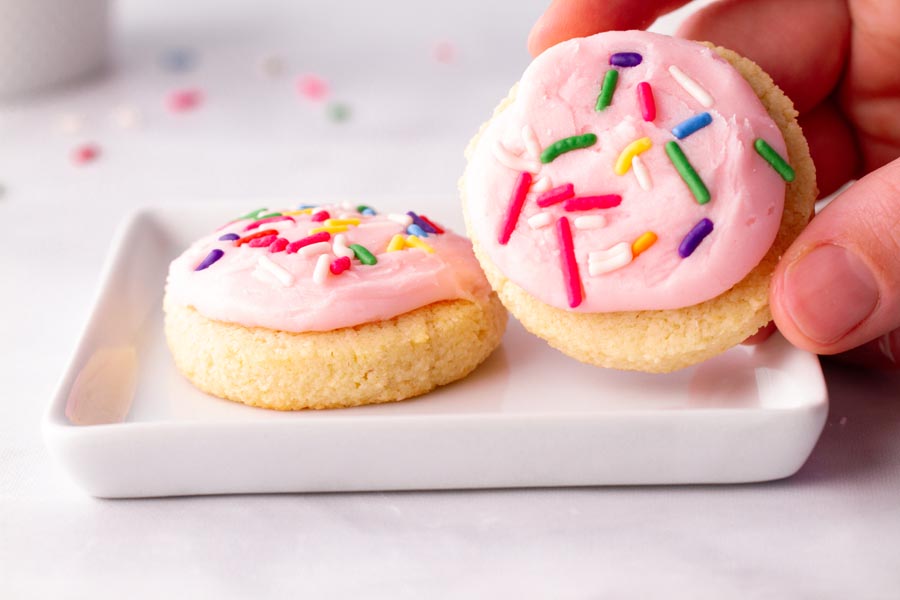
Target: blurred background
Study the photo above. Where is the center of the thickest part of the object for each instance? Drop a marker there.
(131, 102)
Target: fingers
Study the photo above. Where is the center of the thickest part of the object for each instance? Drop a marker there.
(838, 285)
(832, 146)
(802, 44)
(566, 19)
(881, 353)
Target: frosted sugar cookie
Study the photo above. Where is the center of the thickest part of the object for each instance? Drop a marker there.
(631, 197)
(329, 306)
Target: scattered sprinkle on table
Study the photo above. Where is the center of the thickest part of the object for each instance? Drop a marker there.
(178, 59)
(337, 112)
(444, 52)
(312, 87)
(184, 100)
(85, 153)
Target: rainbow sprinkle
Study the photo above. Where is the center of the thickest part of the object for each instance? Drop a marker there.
(416, 230)
(278, 245)
(644, 241)
(363, 254)
(415, 242)
(253, 214)
(569, 265)
(340, 265)
(329, 229)
(322, 268)
(604, 98)
(604, 261)
(575, 142)
(646, 102)
(694, 237)
(396, 244)
(254, 236)
(516, 200)
(623, 163)
(340, 247)
(687, 172)
(641, 173)
(270, 219)
(214, 255)
(625, 59)
(422, 223)
(323, 236)
(541, 219)
(229, 237)
(556, 195)
(693, 88)
(438, 230)
(264, 241)
(692, 124)
(590, 222)
(592, 202)
(774, 159)
(276, 270)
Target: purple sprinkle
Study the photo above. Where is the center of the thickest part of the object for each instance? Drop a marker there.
(694, 237)
(421, 223)
(229, 236)
(625, 59)
(211, 258)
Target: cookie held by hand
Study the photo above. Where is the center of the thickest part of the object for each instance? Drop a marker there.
(630, 199)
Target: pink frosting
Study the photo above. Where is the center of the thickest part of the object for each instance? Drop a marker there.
(238, 289)
(556, 98)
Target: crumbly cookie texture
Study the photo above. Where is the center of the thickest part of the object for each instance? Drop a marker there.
(660, 341)
(384, 361)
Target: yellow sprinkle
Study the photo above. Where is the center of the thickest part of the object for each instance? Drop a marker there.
(397, 243)
(339, 222)
(623, 163)
(302, 211)
(329, 229)
(643, 242)
(415, 242)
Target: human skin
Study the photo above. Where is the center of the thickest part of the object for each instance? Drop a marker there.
(837, 288)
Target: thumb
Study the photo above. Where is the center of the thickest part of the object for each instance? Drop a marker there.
(838, 286)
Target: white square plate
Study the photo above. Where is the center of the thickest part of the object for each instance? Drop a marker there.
(529, 416)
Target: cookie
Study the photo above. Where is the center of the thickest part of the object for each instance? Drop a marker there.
(326, 307)
(631, 197)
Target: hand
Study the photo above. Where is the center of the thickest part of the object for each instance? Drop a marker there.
(837, 288)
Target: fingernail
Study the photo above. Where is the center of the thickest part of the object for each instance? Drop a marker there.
(828, 292)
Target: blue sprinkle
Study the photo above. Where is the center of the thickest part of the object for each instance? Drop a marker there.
(694, 237)
(211, 258)
(368, 211)
(416, 230)
(229, 236)
(689, 126)
(305, 206)
(179, 59)
(625, 59)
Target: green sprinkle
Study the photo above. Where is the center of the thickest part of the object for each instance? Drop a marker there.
(364, 256)
(338, 112)
(267, 215)
(687, 172)
(607, 89)
(568, 144)
(253, 214)
(774, 159)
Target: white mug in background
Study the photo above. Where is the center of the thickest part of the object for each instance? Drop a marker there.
(44, 43)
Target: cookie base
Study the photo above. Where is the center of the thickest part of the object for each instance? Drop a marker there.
(386, 361)
(660, 341)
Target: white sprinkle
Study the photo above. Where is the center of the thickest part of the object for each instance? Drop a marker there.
(511, 161)
(323, 268)
(404, 220)
(126, 117)
(843, 421)
(278, 271)
(349, 206)
(604, 261)
(590, 222)
(271, 66)
(532, 145)
(314, 249)
(691, 87)
(71, 123)
(641, 173)
(340, 246)
(379, 223)
(539, 220)
(541, 184)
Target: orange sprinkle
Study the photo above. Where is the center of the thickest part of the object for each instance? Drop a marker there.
(643, 243)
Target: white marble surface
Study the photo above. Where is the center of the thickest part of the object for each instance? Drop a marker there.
(831, 531)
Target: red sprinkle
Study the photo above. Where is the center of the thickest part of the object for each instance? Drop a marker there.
(556, 195)
(437, 228)
(516, 200)
(256, 224)
(340, 265)
(263, 242)
(253, 236)
(320, 216)
(591, 202)
(646, 101)
(569, 265)
(322, 236)
(312, 87)
(85, 154)
(278, 245)
(184, 100)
